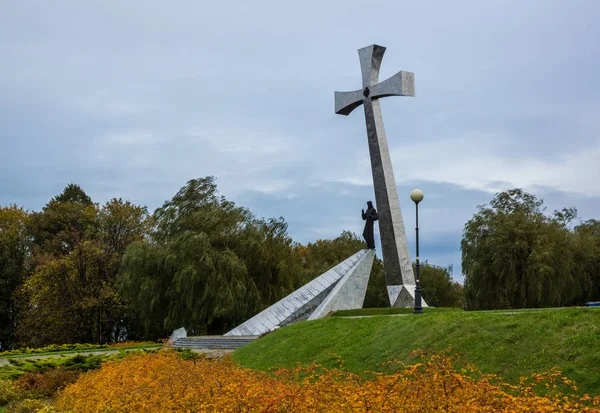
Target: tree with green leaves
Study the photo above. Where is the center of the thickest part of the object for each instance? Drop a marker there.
(13, 268)
(587, 258)
(208, 265)
(73, 193)
(515, 256)
(439, 289)
(70, 294)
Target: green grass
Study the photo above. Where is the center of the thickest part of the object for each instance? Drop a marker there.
(509, 343)
(91, 350)
(387, 311)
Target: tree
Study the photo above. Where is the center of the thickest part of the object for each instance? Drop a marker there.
(63, 298)
(587, 259)
(70, 295)
(209, 264)
(439, 289)
(514, 256)
(322, 255)
(122, 223)
(13, 256)
(61, 226)
(73, 193)
(496, 244)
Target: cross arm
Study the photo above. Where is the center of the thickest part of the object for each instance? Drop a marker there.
(401, 84)
(346, 102)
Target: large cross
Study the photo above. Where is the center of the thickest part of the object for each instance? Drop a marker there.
(398, 267)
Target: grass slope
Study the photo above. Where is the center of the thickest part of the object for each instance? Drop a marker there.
(508, 343)
(359, 312)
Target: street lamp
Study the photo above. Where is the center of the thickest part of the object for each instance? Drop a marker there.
(417, 196)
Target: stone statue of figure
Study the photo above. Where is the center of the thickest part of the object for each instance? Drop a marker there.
(370, 216)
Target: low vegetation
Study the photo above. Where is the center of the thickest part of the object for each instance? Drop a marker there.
(51, 349)
(173, 381)
(27, 385)
(19, 367)
(368, 312)
(167, 383)
(76, 348)
(510, 343)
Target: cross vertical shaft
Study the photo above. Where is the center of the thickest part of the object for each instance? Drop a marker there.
(397, 263)
(398, 267)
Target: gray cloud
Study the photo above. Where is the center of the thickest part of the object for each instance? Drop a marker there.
(131, 99)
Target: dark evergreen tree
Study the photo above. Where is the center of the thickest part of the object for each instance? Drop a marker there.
(73, 193)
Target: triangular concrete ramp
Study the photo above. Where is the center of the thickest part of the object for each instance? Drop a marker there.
(349, 292)
(302, 303)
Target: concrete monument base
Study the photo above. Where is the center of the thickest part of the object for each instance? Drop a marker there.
(341, 288)
(403, 296)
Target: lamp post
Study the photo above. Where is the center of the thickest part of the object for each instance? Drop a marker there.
(417, 196)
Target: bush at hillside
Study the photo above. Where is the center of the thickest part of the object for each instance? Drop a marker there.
(51, 348)
(8, 391)
(164, 382)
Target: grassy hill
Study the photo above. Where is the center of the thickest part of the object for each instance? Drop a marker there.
(509, 343)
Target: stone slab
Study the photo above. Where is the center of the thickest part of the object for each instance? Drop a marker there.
(178, 334)
(403, 296)
(349, 292)
(300, 304)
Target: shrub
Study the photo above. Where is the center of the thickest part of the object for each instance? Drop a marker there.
(30, 406)
(51, 348)
(18, 367)
(46, 384)
(167, 383)
(8, 392)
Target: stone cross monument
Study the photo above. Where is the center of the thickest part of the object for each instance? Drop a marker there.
(398, 267)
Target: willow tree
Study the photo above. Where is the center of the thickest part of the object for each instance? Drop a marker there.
(587, 259)
(516, 256)
(209, 264)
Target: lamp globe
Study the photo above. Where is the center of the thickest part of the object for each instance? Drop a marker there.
(417, 195)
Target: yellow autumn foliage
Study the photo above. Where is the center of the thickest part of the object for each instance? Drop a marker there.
(164, 382)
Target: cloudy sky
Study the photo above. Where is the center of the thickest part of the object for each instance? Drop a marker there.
(132, 99)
